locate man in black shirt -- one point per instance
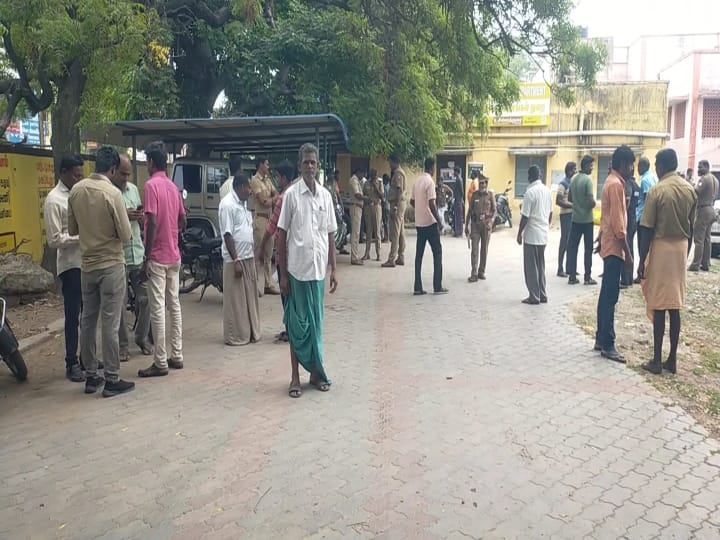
(632, 193)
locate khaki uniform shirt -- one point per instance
(670, 208)
(396, 194)
(263, 193)
(482, 208)
(373, 190)
(97, 213)
(707, 190)
(355, 189)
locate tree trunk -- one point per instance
(65, 137)
(66, 114)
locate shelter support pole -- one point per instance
(134, 160)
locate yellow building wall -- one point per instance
(25, 181)
(499, 164)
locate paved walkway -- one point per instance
(462, 416)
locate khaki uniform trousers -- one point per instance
(373, 228)
(355, 225)
(264, 269)
(397, 233)
(479, 241)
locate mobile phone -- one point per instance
(139, 208)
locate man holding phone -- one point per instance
(134, 256)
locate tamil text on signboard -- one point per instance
(531, 110)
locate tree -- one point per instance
(403, 73)
(70, 54)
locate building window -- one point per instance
(522, 164)
(603, 164)
(679, 120)
(711, 119)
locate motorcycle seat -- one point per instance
(211, 243)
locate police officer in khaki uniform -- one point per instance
(261, 203)
(707, 191)
(372, 211)
(356, 212)
(396, 199)
(478, 226)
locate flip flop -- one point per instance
(295, 391)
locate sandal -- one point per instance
(295, 391)
(323, 386)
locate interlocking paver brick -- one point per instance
(427, 433)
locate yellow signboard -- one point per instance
(531, 110)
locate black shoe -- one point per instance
(590, 281)
(671, 366)
(175, 364)
(637, 281)
(75, 373)
(597, 347)
(100, 365)
(653, 367)
(152, 371)
(530, 301)
(705, 268)
(93, 383)
(573, 281)
(543, 300)
(624, 286)
(118, 387)
(613, 355)
(419, 293)
(443, 290)
(560, 273)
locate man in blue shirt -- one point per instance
(647, 182)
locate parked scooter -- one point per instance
(502, 203)
(9, 350)
(201, 261)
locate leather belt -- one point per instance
(258, 214)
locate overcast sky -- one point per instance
(624, 20)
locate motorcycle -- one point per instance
(342, 227)
(502, 203)
(9, 350)
(201, 261)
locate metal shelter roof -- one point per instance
(246, 134)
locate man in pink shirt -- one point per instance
(427, 225)
(164, 219)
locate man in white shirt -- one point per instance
(427, 225)
(241, 308)
(55, 214)
(235, 165)
(306, 246)
(533, 235)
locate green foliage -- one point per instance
(403, 74)
(88, 46)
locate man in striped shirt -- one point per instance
(286, 176)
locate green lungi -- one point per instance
(304, 314)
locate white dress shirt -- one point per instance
(537, 206)
(55, 213)
(226, 188)
(308, 220)
(236, 220)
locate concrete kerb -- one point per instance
(53, 329)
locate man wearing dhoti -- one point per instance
(305, 249)
(241, 311)
(667, 221)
